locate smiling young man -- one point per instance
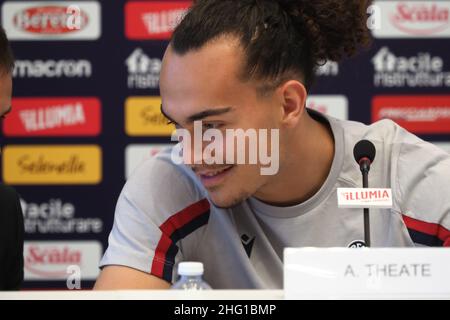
(248, 65)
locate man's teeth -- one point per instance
(215, 173)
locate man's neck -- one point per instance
(305, 169)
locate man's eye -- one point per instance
(207, 126)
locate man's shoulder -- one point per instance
(159, 182)
(384, 130)
(10, 210)
(7, 195)
(160, 170)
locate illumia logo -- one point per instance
(229, 149)
(367, 195)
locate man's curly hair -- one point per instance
(281, 38)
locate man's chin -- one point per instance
(225, 203)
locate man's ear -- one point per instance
(293, 99)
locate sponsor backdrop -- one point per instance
(86, 108)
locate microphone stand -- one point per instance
(364, 164)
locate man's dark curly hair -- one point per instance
(6, 55)
(282, 39)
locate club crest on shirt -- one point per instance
(247, 242)
(357, 244)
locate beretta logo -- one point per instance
(47, 20)
(53, 117)
(51, 20)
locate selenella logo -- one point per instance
(418, 114)
(52, 164)
(154, 20)
(49, 260)
(143, 71)
(25, 20)
(413, 19)
(143, 117)
(53, 117)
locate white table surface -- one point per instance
(144, 295)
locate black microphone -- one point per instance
(364, 153)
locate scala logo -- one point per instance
(413, 19)
(154, 20)
(418, 114)
(52, 165)
(57, 20)
(49, 260)
(421, 19)
(53, 117)
(143, 117)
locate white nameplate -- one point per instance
(368, 273)
(364, 198)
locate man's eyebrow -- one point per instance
(209, 113)
(201, 115)
(165, 115)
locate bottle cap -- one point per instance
(190, 268)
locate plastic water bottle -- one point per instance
(191, 277)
